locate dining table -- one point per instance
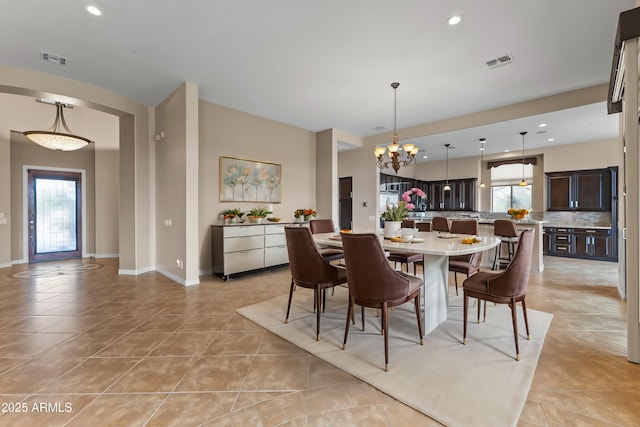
(436, 249)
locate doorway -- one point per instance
(345, 205)
(54, 215)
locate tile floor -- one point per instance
(83, 347)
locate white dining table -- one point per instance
(436, 249)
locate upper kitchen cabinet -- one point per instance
(585, 190)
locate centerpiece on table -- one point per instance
(517, 214)
(232, 216)
(304, 214)
(393, 215)
(256, 215)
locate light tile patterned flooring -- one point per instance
(95, 348)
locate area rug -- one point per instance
(479, 384)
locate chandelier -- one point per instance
(396, 156)
(54, 138)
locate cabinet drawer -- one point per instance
(247, 230)
(563, 248)
(276, 255)
(274, 229)
(237, 262)
(274, 240)
(235, 244)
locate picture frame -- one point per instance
(243, 180)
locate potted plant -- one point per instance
(304, 214)
(232, 216)
(256, 215)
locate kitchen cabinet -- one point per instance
(577, 242)
(586, 190)
(461, 197)
(241, 248)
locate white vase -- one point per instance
(392, 229)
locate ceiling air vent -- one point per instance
(500, 61)
(380, 128)
(56, 59)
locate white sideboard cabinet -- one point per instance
(238, 248)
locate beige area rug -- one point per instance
(480, 384)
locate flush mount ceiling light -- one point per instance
(53, 138)
(447, 187)
(94, 10)
(482, 141)
(455, 20)
(394, 157)
(523, 183)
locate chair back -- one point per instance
(369, 274)
(464, 226)
(322, 226)
(440, 223)
(513, 281)
(408, 223)
(505, 228)
(306, 263)
(424, 226)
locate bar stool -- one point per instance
(505, 229)
(440, 223)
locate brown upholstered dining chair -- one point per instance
(423, 226)
(406, 257)
(464, 264)
(326, 226)
(440, 223)
(373, 283)
(309, 269)
(506, 230)
(505, 287)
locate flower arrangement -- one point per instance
(232, 213)
(406, 197)
(517, 213)
(307, 213)
(397, 212)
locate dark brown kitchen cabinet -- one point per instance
(461, 197)
(586, 190)
(586, 243)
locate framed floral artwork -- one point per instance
(243, 180)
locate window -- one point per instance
(504, 197)
(505, 191)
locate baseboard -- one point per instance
(126, 272)
(107, 256)
(178, 279)
(9, 264)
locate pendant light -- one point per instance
(447, 187)
(58, 136)
(482, 141)
(523, 183)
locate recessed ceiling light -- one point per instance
(506, 151)
(541, 125)
(455, 19)
(425, 157)
(94, 10)
(551, 139)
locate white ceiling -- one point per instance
(328, 64)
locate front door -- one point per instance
(55, 215)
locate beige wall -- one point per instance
(176, 185)
(22, 113)
(227, 132)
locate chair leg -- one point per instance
(464, 321)
(479, 304)
(346, 328)
(496, 256)
(362, 315)
(385, 329)
(514, 320)
(484, 319)
(319, 293)
(417, 303)
(324, 299)
(526, 321)
(455, 279)
(286, 319)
